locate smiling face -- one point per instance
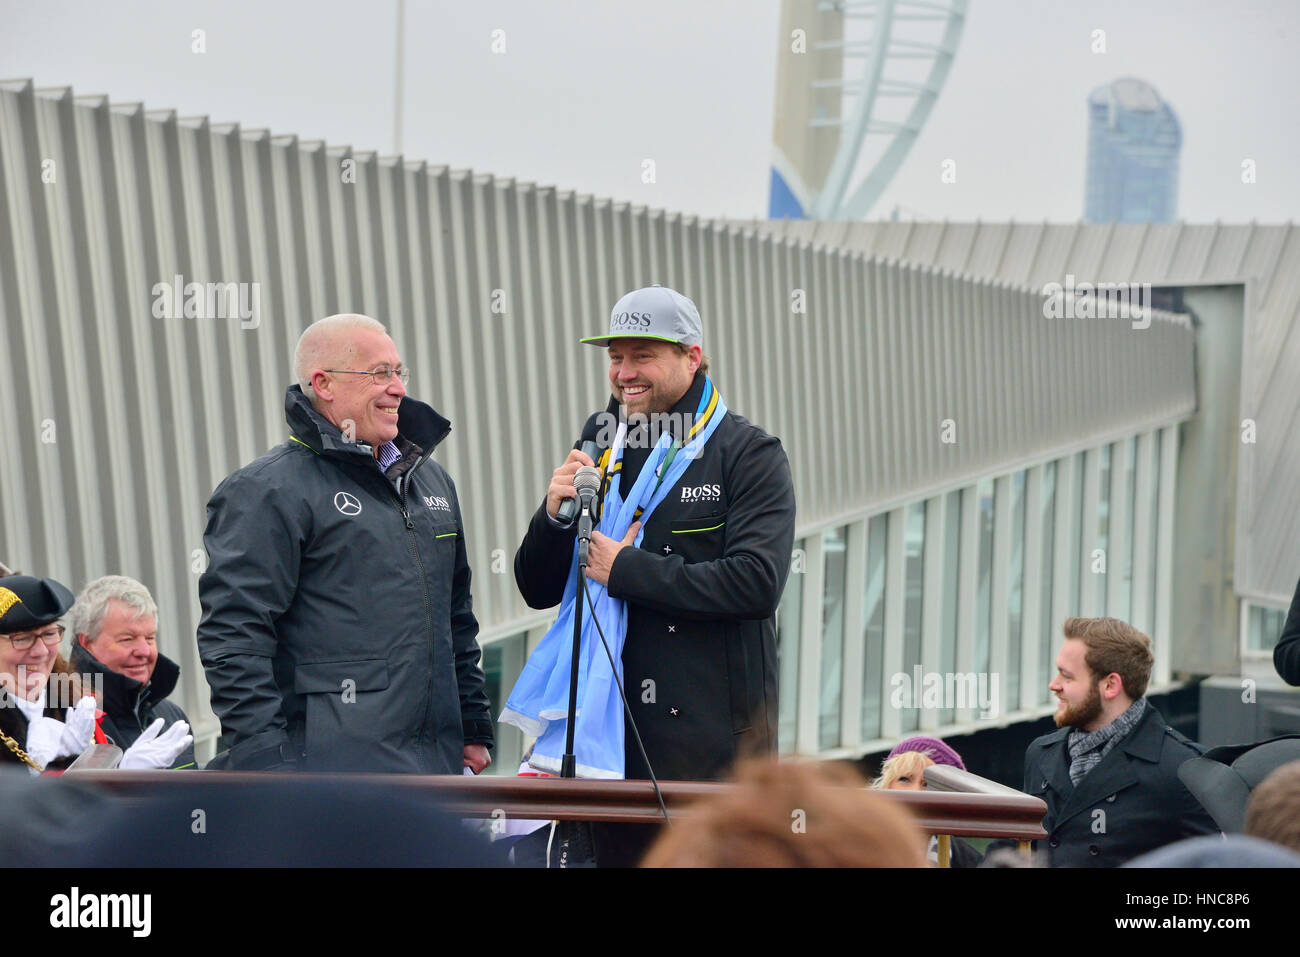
(1078, 693)
(126, 643)
(650, 376)
(32, 665)
(358, 405)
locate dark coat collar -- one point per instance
(122, 693)
(416, 422)
(1115, 772)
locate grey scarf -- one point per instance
(1087, 748)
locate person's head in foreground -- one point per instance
(792, 814)
(1273, 813)
(1102, 668)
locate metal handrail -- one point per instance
(943, 777)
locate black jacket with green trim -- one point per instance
(700, 658)
(338, 631)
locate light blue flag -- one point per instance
(539, 703)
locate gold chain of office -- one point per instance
(23, 756)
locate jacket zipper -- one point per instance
(424, 585)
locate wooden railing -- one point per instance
(1010, 815)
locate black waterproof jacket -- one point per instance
(1130, 803)
(699, 661)
(130, 706)
(338, 632)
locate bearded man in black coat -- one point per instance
(1109, 775)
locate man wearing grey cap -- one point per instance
(687, 567)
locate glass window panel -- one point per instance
(984, 493)
(787, 652)
(951, 564)
(1102, 540)
(914, 548)
(501, 663)
(1154, 559)
(873, 653)
(492, 666)
(1048, 626)
(1124, 606)
(1079, 550)
(1015, 596)
(834, 545)
(1264, 627)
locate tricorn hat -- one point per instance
(27, 602)
(1222, 778)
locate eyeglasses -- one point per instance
(381, 374)
(24, 640)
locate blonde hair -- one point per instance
(911, 763)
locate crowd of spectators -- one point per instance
(1120, 786)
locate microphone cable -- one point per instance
(659, 795)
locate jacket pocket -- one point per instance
(742, 716)
(698, 539)
(337, 721)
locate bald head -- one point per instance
(329, 343)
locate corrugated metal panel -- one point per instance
(486, 284)
(1265, 257)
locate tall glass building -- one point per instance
(1134, 140)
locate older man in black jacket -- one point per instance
(115, 639)
(338, 631)
(1110, 774)
(702, 585)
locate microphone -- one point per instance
(587, 481)
(569, 507)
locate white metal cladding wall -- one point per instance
(486, 285)
(1265, 257)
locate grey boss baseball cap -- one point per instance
(655, 312)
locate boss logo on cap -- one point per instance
(624, 320)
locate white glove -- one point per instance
(45, 741)
(153, 751)
(79, 727)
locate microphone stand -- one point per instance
(573, 834)
(569, 763)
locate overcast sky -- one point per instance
(587, 89)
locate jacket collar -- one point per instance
(123, 693)
(1116, 771)
(1052, 762)
(416, 422)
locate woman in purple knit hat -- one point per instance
(904, 769)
